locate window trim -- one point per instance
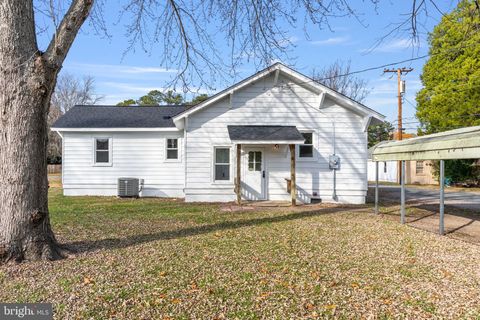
(179, 154)
(314, 142)
(416, 168)
(110, 152)
(214, 162)
(255, 160)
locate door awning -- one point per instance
(262, 134)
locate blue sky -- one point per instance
(118, 76)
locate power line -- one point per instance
(383, 66)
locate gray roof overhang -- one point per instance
(265, 134)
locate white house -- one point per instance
(193, 152)
(387, 171)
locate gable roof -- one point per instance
(104, 117)
(301, 79)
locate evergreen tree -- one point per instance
(450, 97)
(378, 133)
(451, 77)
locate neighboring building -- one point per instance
(192, 153)
(420, 172)
(387, 171)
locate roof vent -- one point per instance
(128, 187)
(167, 117)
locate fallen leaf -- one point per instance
(309, 306)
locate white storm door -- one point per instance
(253, 177)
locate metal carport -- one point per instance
(461, 143)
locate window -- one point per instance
(306, 149)
(419, 167)
(222, 164)
(254, 161)
(172, 149)
(102, 151)
(385, 167)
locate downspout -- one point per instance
(185, 156)
(334, 195)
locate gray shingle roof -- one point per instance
(266, 133)
(118, 117)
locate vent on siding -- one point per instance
(128, 187)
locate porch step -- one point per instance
(268, 203)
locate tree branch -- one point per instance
(67, 31)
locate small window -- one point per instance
(254, 161)
(222, 164)
(306, 149)
(102, 150)
(172, 149)
(419, 167)
(385, 167)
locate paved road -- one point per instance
(464, 200)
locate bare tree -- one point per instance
(54, 145)
(69, 92)
(184, 33)
(338, 77)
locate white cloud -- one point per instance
(330, 41)
(392, 46)
(114, 92)
(395, 45)
(128, 87)
(117, 69)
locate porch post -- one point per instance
(376, 187)
(441, 230)
(293, 183)
(237, 178)
(402, 194)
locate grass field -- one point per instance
(165, 259)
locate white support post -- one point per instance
(442, 197)
(376, 187)
(402, 195)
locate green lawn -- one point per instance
(165, 259)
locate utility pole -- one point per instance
(401, 90)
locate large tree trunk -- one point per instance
(26, 85)
(27, 81)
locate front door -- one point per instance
(253, 174)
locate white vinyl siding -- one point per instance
(134, 154)
(263, 104)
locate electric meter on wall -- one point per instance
(334, 162)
